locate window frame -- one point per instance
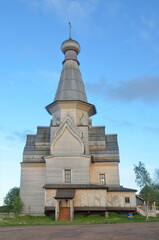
(127, 200)
(101, 182)
(67, 177)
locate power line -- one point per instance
(118, 88)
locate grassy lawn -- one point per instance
(91, 219)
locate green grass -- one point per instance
(29, 220)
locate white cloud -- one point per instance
(76, 11)
(147, 29)
(113, 8)
(149, 23)
(72, 8)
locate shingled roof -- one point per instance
(103, 147)
(37, 145)
(65, 194)
(74, 186)
(71, 85)
(121, 189)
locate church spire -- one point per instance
(71, 85)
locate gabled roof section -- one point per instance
(103, 148)
(37, 145)
(65, 193)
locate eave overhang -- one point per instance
(57, 105)
(121, 189)
(74, 186)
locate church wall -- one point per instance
(80, 171)
(90, 198)
(117, 199)
(52, 131)
(70, 112)
(84, 130)
(49, 197)
(110, 169)
(79, 116)
(31, 189)
(67, 143)
(94, 198)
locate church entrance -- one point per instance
(64, 213)
(64, 209)
(64, 203)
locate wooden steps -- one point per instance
(64, 214)
(141, 211)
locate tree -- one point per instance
(157, 177)
(12, 201)
(156, 184)
(17, 205)
(142, 176)
(145, 183)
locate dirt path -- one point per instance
(135, 231)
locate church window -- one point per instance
(127, 200)
(102, 179)
(67, 175)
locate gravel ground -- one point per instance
(125, 231)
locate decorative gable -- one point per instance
(67, 139)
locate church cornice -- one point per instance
(57, 105)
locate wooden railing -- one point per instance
(151, 212)
(140, 211)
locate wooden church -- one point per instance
(72, 166)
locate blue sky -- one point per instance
(119, 62)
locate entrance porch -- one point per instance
(64, 207)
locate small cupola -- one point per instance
(70, 49)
